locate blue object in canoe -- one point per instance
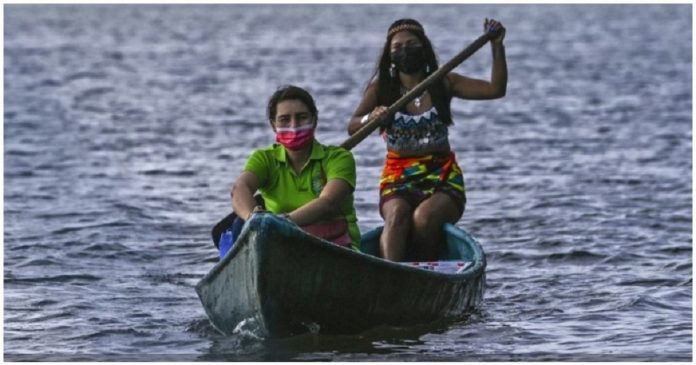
(286, 281)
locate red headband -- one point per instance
(409, 27)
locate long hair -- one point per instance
(389, 88)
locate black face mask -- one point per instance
(409, 60)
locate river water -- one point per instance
(124, 126)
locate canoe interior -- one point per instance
(284, 279)
(460, 244)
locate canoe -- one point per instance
(287, 282)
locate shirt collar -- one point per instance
(318, 151)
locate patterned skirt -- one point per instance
(417, 178)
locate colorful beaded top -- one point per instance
(416, 133)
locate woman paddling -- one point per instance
(422, 186)
(308, 183)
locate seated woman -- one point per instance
(308, 183)
(422, 186)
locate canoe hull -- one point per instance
(288, 281)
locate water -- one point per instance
(124, 126)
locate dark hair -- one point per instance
(389, 89)
(290, 92)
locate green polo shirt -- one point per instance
(283, 190)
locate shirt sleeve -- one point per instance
(259, 164)
(341, 165)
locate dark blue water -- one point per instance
(125, 125)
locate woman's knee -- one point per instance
(433, 213)
(397, 212)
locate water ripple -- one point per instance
(126, 124)
(57, 279)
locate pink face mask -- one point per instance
(295, 138)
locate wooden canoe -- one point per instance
(287, 281)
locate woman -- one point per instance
(422, 186)
(306, 182)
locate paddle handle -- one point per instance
(372, 124)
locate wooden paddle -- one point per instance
(372, 124)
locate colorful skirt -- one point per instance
(417, 178)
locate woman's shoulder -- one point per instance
(372, 87)
(454, 78)
(450, 80)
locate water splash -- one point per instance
(248, 328)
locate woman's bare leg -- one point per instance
(397, 225)
(427, 235)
